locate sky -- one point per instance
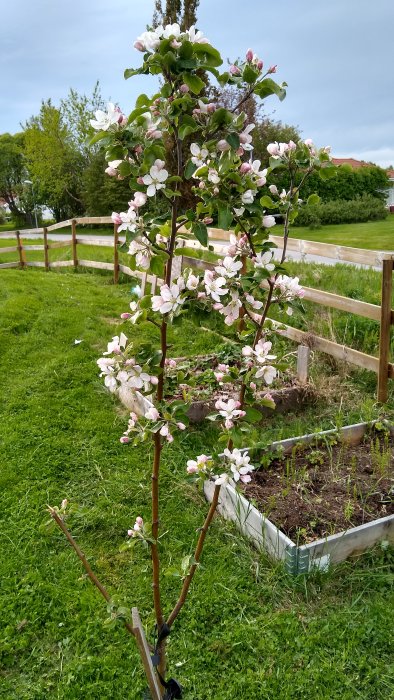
(336, 57)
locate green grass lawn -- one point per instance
(248, 630)
(374, 235)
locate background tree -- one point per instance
(13, 172)
(184, 12)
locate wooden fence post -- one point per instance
(303, 355)
(46, 257)
(74, 242)
(22, 256)
(385, 325)
(116, 254)
(145, 655)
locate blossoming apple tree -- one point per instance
(232, 190)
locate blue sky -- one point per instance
(334, 55)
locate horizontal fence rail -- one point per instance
(383, 314)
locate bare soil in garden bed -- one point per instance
(322, 490)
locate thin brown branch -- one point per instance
(197, 554)
(61, 524)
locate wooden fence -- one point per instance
(383, 314)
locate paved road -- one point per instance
(101, 240)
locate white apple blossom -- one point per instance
(126, 220)
(104, 120)
(231, 310)
(245, 137)
(156, 178)
(196, 37)
(199, 465)
(288, 288)
(142, 251)
(170, 297)
(239, 464)
(192, 282)
(213, 176)
(116, 345)
(228, 267)
(267, 372)
(248, 197)
(263, 260)
(215, 286)
(138, 201)
(199, 155)
(269, 221)
(152, 413)
(254, 303)
(149, 41)
(137, 528)
(230, 411)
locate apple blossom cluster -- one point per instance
(137, 528)
(258, 358)
(237, 466)
(151, 421)
(150, 41)
(229, 410)
(287, 290)
(121, 370)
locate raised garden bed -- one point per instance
(318, 498)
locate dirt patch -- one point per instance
(320, 490)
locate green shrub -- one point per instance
(340, 211)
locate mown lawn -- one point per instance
(249, 630)
(374, 235)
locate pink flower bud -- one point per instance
(253, 386)
(138, 150)
(249, 55)
(130, 533)
(192, 470)
(245, 168)
(176, 44)
(139, 520)
(139, 46)
(184, 88)
(116, 218)
(216, 190)
(240, 151)
(260, 64)
(234, 70)
(125, 316)
(140, 180)
(63, 504)
(201, 295)
(228, 424)
(112, 172)
(308, 142)
(261, 181)
(211, 107)
(202, 185)
(181, 426)
(124, 439)
(222, 145)
(169, 438)
(208, 220)
(154, 380)
(272, 69)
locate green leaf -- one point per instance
(145, 302)
(115, 152)
(124, 168)
(269, 87)
(210, 55)
(187, 125)
(190, 169)
(143, 101)
(193, 82)
(225, 216)
(136, 113)
(129, 72)
(252, 415)
(233, 140)
(327, 172)
(313, 199)
(187, 64)
(97, 137)
(266, 201)
(249, 74)
(222, 117)
(201, 232)
(157, 265)
(186, 50)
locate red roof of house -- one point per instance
(352, 162)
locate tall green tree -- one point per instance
(182, 11)
(13, 172)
